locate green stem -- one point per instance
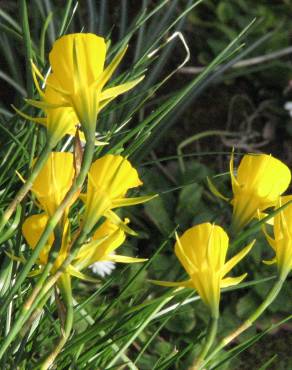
(87, 158)
(211, 335)
(196, 137)
(36, 311)
(26, 186)
(62, 269)
(23, 317)
(35, 298)
(249, 322)
(27, 44)
(41, 290)
(68, 300)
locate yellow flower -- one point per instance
(202, 251)
(32, 229)
(58, 122)
(78, 78)
(260, 180)
(54, 181)
(282, 242)
(109, 179)
(107, 238)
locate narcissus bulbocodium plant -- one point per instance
(75, 89)
(258, 184)
(50, 188)
(74, 93)
(282, 241)
(202, 251)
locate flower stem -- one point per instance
(211, 335)
(26, 186)
(34, 300)
(86, 162)
(68, 300)
(249, 322)
(23, 317)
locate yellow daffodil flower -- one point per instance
(31, 230)
(282, 242)
(78, 78)
(58, 122)
(107, 238)
(259, 182)
(109, 179)
(54, 181)
(202, 252)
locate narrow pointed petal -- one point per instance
(178, 284)
(110, 69)
(44, 105)
(40, 120)
(230, 281)
(270, 240)
(126, 202)
(234, 182)
(104, 103)
(270, 262)
(113, 92)
(35, 72)
(215, 191)
(80, 275)
(125, 259)
(115, 219)
(235, 259)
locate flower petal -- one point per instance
(90, 50)
(234, 182)
(230, 281)
(126, 202)
(125, 259)
(235, 259)
(115, 91)
(54, 180)
(270, 262)
(110, 69)
(179, 284)
(80, 275)
(115, 219)
(115, 175)
(215, 191)
(32, 229)
(257, 172)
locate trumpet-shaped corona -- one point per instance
(260, 180)
(109, 179)
(202, 251)
(282, 242)
(54, 181)
(76, 83)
